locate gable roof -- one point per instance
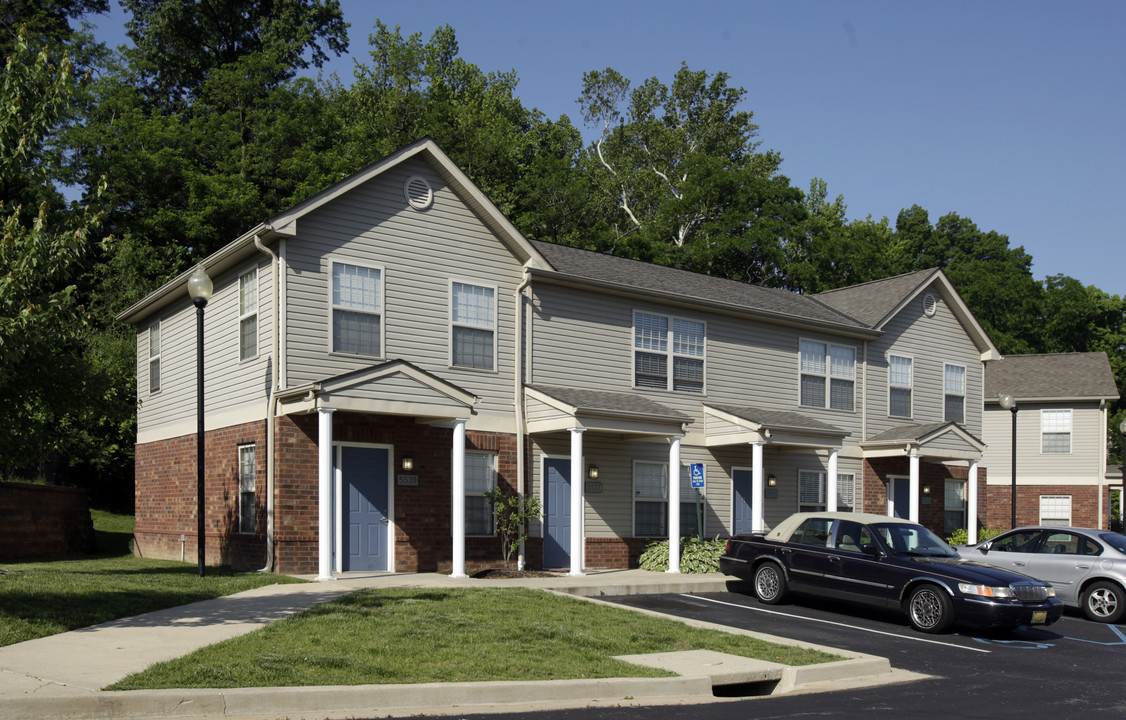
(1056, 376)
(285, 223)
(612, 273)
(877, 302)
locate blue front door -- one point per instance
(364, 479)
(743, 512)
(557, 514)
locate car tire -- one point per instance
(770, 583)
(1104, 601)
(929, 609)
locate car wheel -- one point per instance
(1104, 602)
(770, 584)
(929, 609)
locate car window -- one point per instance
(814, 531)
(1115, 540)
(851, 535)
(1061, 543)
(1020, 541)
(907, 539)
(1087, 546)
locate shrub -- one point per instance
(513, 512)
(961, 536)
(696, 556)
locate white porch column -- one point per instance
(758, 513)
(674, 505)
(324, 493)
(457, 520)
(971, 503)
(577, 489)
(831, 482)
(913, 511)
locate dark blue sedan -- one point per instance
(890, 563)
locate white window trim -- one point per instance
(828, 376)
(1070, 430)
(945, 392)
(822, 490)
(492, 455)
(851, 480)
(243, 316)
(634, 499)
(452, 324)
(910, 386)
(1070, 509)
(670, 353)
(254, 476)
(382, 314)
(156, 358)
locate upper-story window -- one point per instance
(954, 400)
(1055, 431)
(357, 306)
(248, 315)
(900, 381)
(828, 375)
(668, 352)
(473, 319)
(154, 357)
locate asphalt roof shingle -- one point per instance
(1057, 375)
(872, 302)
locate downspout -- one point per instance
(518, 397)
(271, 412)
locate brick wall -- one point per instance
(1084, 505)
(166, 498)
(41, 521)
(932, 507)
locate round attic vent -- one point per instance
(418, 192)
(930, 305)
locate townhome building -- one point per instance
(380, 356)
(1056, 425)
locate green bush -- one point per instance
(696, 556)
(961, 536)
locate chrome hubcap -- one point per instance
(926, 610)
(767, 585)
(1102, 602)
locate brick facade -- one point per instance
(932, 476)
(41, 521)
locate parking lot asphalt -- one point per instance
(61, 676)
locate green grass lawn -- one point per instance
(448, 635)
(47, 597)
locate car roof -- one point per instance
(784, 529)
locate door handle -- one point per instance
(1018, 563)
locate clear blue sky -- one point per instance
(1007, 112)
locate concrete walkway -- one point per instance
(61, 676)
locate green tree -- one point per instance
(41, 255)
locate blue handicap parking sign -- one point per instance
(697, 475)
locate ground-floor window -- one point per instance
(480, 478)
(1055, 510)
(811, 491)
(650, 493)
(246, 470)
(954, 501)
(846, 491)
(688, 517)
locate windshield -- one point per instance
(913, 540)
(1116, 541)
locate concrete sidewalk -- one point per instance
(61, 676)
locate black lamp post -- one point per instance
(199, 289)
(1122, 494)
(1009, 403)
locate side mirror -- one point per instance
(872, 549)
(985, 546)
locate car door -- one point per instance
(859, 576)
(807, 555)
(1012, 551)
(1064, 559)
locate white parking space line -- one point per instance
(839, 624)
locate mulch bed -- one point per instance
(496, 573)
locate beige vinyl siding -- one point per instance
(1082, 465)
(584, 339)
(230, 385)
(931, 343)
(419, 253)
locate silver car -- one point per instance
(1087, 567)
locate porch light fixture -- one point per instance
(407, 463)
(592, 472)
(771, 480)
(199, 290)
(926, 489)
(1008, 402)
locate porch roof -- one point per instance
(936, 441)
(551, 409)
(740, 425)
(396, 387)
